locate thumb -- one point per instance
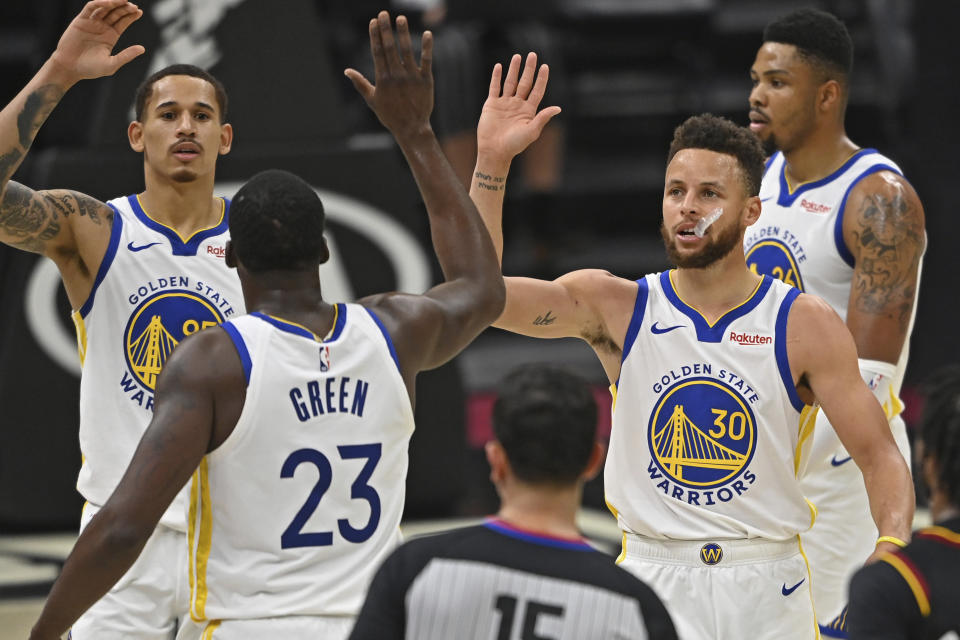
(546, 115)
(126, 56)
(361, 84)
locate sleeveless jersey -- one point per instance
(708, 431)
(799, 237)
(294, 512)
(152, 290)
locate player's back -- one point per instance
(296, 509)
(496, 581)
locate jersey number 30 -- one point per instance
(293, 535)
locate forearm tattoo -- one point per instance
(490, 183)
(890, 240)
(35, 112)
(29, 219)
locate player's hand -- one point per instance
(86, 47)
(510, 120)
(402, 96)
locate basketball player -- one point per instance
(141, 273)
(712, 368)
(914, 592)
(299, 414)
(528, 568)
(840, 222)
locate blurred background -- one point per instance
(626, 72)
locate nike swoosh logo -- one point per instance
(765, 199)
(837, 463)
(658, 330)
(785, 590)
(141, 247)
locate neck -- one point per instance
(548, 510)
(185, 206)
(715, 290)
(291, 295)
(819, 156)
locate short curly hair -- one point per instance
(276, 223)
(821, 39)
(721, 135)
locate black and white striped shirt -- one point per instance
(497, 582)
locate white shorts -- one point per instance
(758, 589)
(843, 534)
(286, 627)
(150, 598)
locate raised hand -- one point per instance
(402, 96)
(510, 121)
(86, 47)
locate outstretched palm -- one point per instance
(510, 122)
(86, 47)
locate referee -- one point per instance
(527, 572)
(914, 593)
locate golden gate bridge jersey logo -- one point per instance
(773, 257)
(158, 325)
(702, 435)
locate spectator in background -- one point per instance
(527, 570)
(914, 593)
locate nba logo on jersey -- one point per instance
(324, 359)
(702, 435)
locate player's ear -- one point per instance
(226, 138)
(753, 208)
(325, 253)
(497, 459)
(229, 257)
(135, 136)
(594, 462)
(830, 95)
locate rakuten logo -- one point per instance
(814, 207)
(746, 338)
(216, 251)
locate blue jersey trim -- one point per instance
(842, 248)
(780, 349)
(786, 198)
(386, 335)
(639, 307)
(715, 332)
(534, 538)
(340, 323)
(288, 327)
(829, 632)
(108, 256)
(766, 165)
(241, 349)
(177, 245)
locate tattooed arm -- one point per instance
(883, 227)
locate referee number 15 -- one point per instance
(532, 610)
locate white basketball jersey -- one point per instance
(799, 236)
(708, 430)
(152, 290)
(295, 511)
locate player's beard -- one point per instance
(718, 246)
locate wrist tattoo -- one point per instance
(490, 183)
(35, 111)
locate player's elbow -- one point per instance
(124, 535)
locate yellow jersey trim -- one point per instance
(210, 628)
(700, 313)
(223, 209)
(200, 540)
(816, 621)
(613, 393)
(943, 532)
(623, 549)
(808, 420)
(911, 579)
(81, 330)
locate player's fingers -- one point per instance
(526, 79)
(126, 56)
(114, 15)
(541, 119)
(510, 84)
(540, 86)
(389, 43)
(426, 54)
(361, 84)
(376, 49)
(404, 45)
(495, 79)
(95, 7)
(127, 20)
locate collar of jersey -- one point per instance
(536, 537)
(707, 332)
(788, 195)
(181, 246)
(339, 319)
